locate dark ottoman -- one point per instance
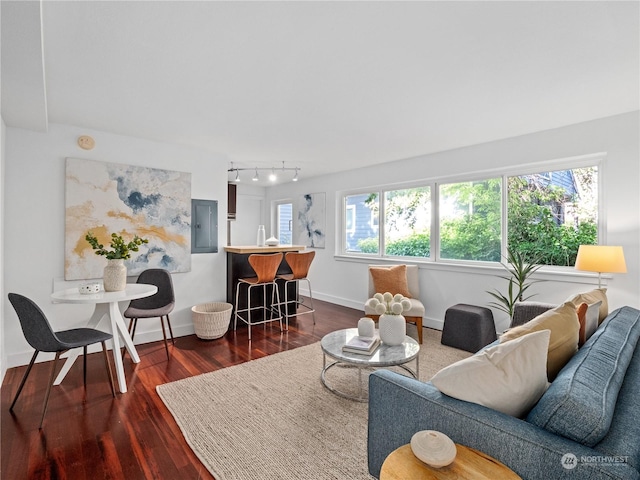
(468, 327)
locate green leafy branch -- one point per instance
(119, 249)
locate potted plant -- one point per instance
(115, 273)
(519, 282)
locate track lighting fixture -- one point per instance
(272, 172)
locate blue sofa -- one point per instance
(585, 426)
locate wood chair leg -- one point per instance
(108, 364)
(24, 379)
(164, 335)
(170, 330)
(46, 398)
(84, 366)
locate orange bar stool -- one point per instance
(299, 264)
(265, 267)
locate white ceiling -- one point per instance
(326, 86)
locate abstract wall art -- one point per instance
(311, 220)
(130, 200)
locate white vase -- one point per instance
(393, 329)
(366, 327)
(115, 275)
(261, 236)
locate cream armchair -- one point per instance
(415, 314)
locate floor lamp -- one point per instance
(601, 259)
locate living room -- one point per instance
(595, 114)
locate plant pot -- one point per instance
(115, 276)
(393, 329)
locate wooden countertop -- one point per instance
(265, 249)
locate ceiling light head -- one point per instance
(255, 177)
(295, 177)
(272, 175)
(237, 176)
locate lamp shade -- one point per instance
(601, 259)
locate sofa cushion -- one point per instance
(588, 318)
(580, 403)
(392, 280)
(507, 377)
(597, 295)
(564, 326)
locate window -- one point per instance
(550, 214)
(470, 220)
(544, 215)
(284, 223)
(360, 234)
(350, 219)
(407, 222)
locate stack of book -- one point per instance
(361, 345)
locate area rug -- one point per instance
(272, 418)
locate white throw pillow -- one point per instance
(509, 377)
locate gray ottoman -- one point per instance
(468, 327)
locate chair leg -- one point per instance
(170, 330)
(135, 324)
(286, 305)
(277, 294)
(164, 335)
(46, 398)
(84, 366)
(235, 316)
(24, 379)
(313, 310)
(108, 364)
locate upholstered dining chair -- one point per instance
(389, 278)
(39, 334)
(265, 268)
(158, 305)
(299, 263)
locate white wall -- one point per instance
(345, 282)
(3, 352)
(33, 226)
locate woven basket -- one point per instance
(211, 320)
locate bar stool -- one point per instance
(299, 264)
(265, 267)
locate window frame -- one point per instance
(597, 160)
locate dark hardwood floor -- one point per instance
(88, 434)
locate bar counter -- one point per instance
(238, 267)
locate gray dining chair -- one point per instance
(158, 305)
(39, 334)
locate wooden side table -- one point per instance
(469, 464)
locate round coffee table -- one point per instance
(384, 356)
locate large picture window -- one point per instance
(407, 222)
(470, 220)
(551, 214)
(546, 216)
(360, 233)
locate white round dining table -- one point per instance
(106, 305)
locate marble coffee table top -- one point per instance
(384, 356)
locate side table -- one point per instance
(469, 464)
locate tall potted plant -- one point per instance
(115, 273)
(520, 271)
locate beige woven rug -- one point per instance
(272, 418)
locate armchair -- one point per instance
(415, 314)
